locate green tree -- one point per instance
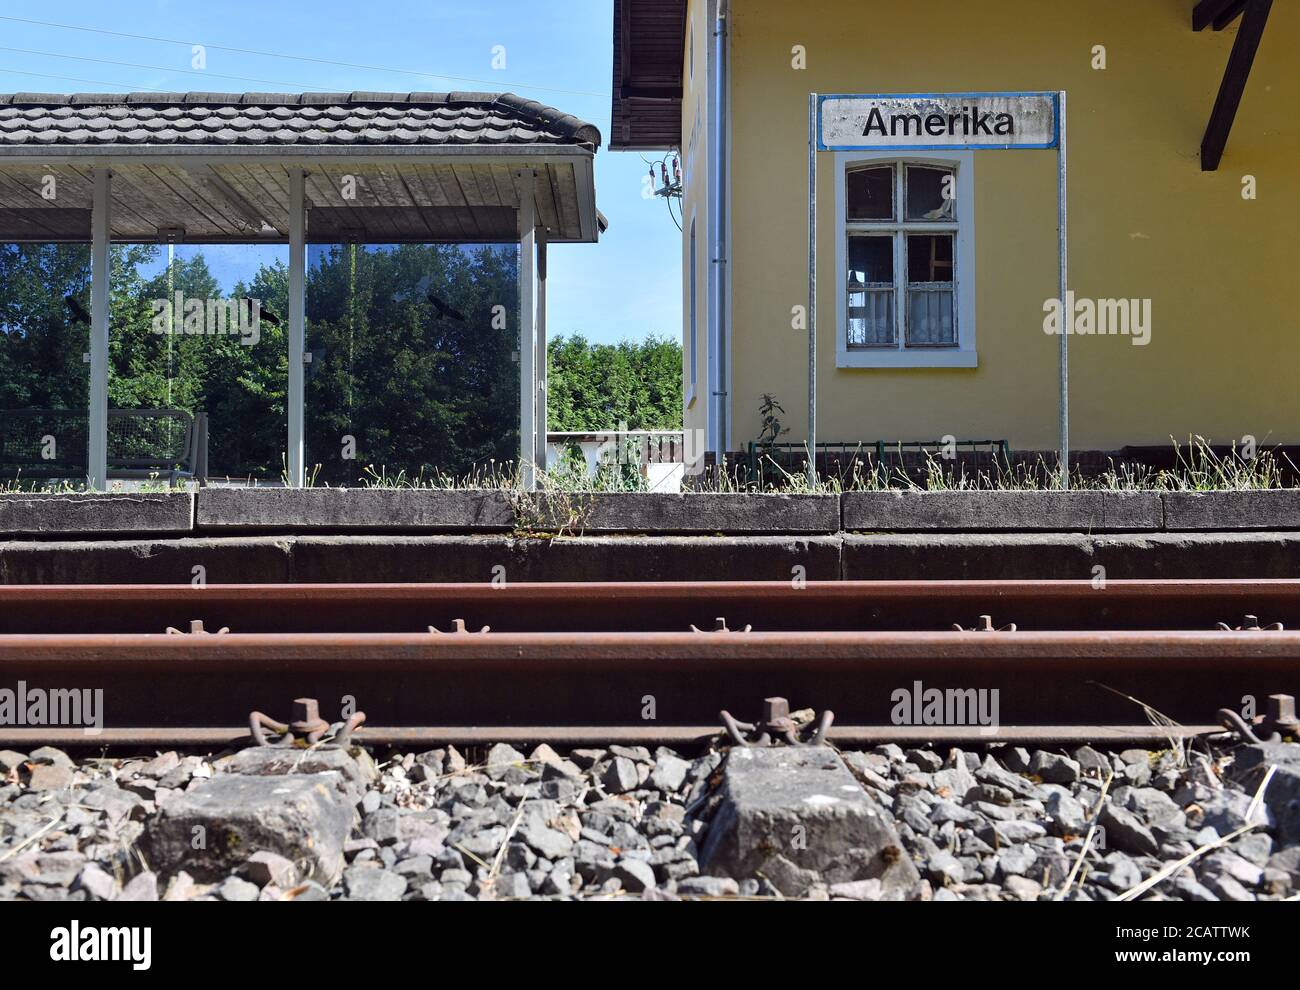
(601, 386)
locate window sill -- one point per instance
(907, 359)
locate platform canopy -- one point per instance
(299, 168)
(214, 167)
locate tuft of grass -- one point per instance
(1197, 468)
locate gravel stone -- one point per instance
(1067, 815)
(1226, 888)
(925, 760)
(501, 759)
(141, 887)
(97, 883)
(1124, 830)
(624, 822)
(1016, 759)
(1054, 769)
(945, 870)
(1016, 861)
(51, 756)
(620, 776)
(547, 842)
(1189, 889)
(1009, 833)
(707, 886)
(49, 777)
(669, 773)
(635, 874)
(369, 883)
(1122, 873)
(265, 867)
(1023, 889)
(235, 889)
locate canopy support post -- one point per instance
(297, 399)
(97, 421)
(540, 364)
(527, 331)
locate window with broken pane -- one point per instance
(870, 193)
(930, 195)
(930, 314)
(901, 239)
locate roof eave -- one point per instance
(284, 153)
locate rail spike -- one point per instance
(1279, 721)
(1250, 624)
(308, 729)
(459, 629)
(985, 625)
(196, 629)
(778, 726)
(720, 626)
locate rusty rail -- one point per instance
(597, 663)
(650, 606)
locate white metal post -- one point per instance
(1067, 320)
(527, 337)
(540, 361)
(297, 475)
(97, 421)
(812, 289)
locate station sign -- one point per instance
(938, 121)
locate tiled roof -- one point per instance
(277, 119)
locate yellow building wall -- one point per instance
(695, 203)
(1145, 222)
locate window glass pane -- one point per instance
(206, 366)
(44, 390)
(925, 198)
(929, 258)
(411, 375)
(931, 318)
(871, 193)
(871, 260)
(871, 291)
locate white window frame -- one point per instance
(900, 355)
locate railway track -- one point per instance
(1033, 662)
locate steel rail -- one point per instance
(605, 735)
(586, 687)
(578, 663)
(1140, 605)
(795, 647)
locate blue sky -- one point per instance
(556, 51)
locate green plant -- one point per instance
(770, 430)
